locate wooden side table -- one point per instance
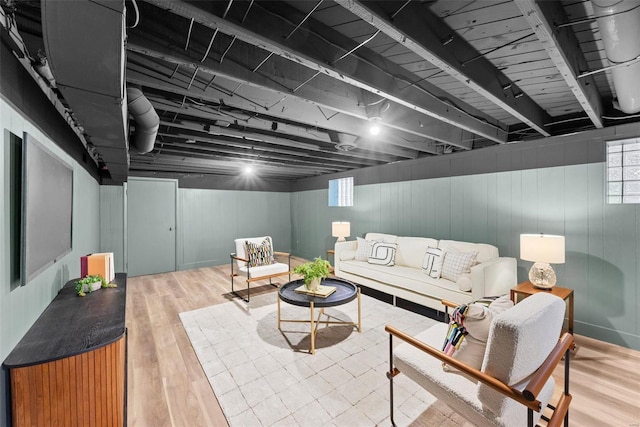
(526, 289)
(331, 252)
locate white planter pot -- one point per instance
(313, 285)
(94, 286)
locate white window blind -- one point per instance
(623, 171)
(341, 192)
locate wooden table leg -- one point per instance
(279, 312)
(313, 331)
(359, 312)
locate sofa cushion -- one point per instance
(383, 254)
(347, 254)
(380, 237)
(432, 264)
(485, 251)
(464, 282)
(408, 278)
(411, 250)
(455, 264)
(364, 248)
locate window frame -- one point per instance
(341, 192)
(622, 171)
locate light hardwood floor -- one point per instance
(167, 386)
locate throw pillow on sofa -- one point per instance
(473, 321)
(464, 282)
(364, 249)
(432, 264)
(456, 264)
(383, 254)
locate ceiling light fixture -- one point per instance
(248, 170)
(374, 127)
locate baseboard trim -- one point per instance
(609, 335)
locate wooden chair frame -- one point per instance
(527, 397)
(250, 279)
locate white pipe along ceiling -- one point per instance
(619, 23)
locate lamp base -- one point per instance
(341, 239)
(542, 275)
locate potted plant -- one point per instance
(90, 283)
(313, 272)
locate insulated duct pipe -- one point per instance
(147, 121)
(619, 22)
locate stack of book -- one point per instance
(98, 264)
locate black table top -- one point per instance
(71, 325)
(345, 292)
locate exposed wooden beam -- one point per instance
(285, 108)
(263, 32)
(209, 164)
(232, 147)
(249, 134)
(418, 29)
(342, 99)
(564, 50)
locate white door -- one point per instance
(151, 225)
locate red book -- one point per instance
(84, 266)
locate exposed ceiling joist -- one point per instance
(285, 108)
(329, 94)
(422, 32)
(562, 46)
(263, 31)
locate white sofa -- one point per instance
(492, 275)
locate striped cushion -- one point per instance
(432, 264)
(261, 254)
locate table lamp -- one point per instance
(341, 229)
(542, 249)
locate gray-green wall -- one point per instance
(209, 221)
(20, 306)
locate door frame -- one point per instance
(126, 217)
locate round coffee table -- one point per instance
(345, 292)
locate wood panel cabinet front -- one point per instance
(87, 389)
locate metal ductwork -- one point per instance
(146, 119)
(84, 43)
(619, 23)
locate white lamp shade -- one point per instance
(341, 229)
(542, 248)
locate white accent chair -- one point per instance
(514, 385)
(262, 272)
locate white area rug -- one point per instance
(265, 377)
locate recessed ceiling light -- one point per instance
(248, 170)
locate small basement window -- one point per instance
(341, 192)
(623, 171)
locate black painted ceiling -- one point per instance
(292, 87)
